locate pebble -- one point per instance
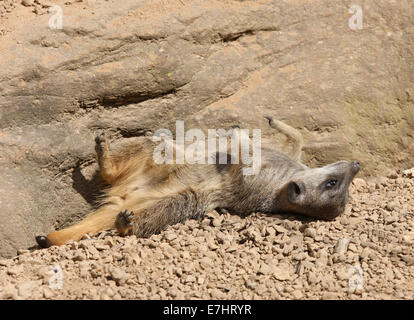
(25, 289)
(169, 236)
(5, 262)
(392, 175)
(79, 256)
(310, 232)
(359, 184)
(265, 269)
(217, 294)
(297, 294)
(28, 3)
(282, 272)
(329, 296)
(119, 275)
(13, 270)
(341, 246)
(47, 293)
(216, 222)
(409, 173)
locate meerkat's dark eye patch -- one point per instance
(331, 183)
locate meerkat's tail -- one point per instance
(99, 220)
(294, 135)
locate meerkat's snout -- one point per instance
(356, 166)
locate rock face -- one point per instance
(131, 67)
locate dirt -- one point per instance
(366, 253)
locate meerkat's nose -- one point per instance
(357, 165)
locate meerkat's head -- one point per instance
(320, 192)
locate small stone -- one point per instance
(330, 296)
(173, 292)
(280, 229)
(392, 175)
(270, 231)
(282, 272)
(79, 256)
(300, 256)
(341, 246)
(5, 262)
(25, 289)
(28, 3)
(322, 259)
(119, 275)
(343, 274)
(352, 247)
(297, 294)
(108, 242)
(408, 259)
(47, 293)
(217, 222)
(217, 294)
(409, 173)
(169, 236)
(200, 280)
(344, 220)
(212, 245)
(189, 279)
(213, 215)
(86, 237)
(359, 183)
(232, 248)
(15, 270)
(408, 237)
(310, 232)
(287, 249)
(100, 246)
(141, 278)
(265, 269)
(206, 222)
(390, 219)
(365, 253)
(9, 291)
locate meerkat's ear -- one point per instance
(294, 135)
(294, 191)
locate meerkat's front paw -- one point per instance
(123, 222)
(100, 139)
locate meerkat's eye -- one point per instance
(331, 183)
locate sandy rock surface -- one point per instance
(366, 253)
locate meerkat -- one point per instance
(144, 197)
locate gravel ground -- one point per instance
(367, 253)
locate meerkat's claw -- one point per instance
(101, 138)
(123, 222)
(270, 118)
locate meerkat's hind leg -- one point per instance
(293, 134)
(123, 222)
